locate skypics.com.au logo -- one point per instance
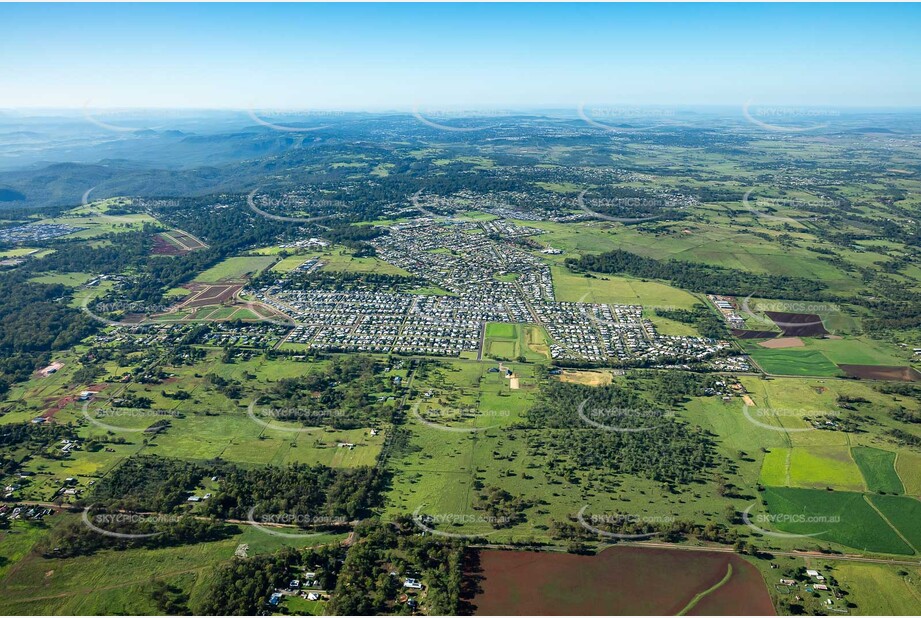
(619, 419)
(114, 524)
(283, 524)
(127, 413)
(270, 202)
(310, 420)
(757, 207)
(788, 520)
(429, 522)
(805, 118)
(458, 120)
(619, 203)
(627, 523)
(627, 119)
(446, 415)
(288, 121)
(816, 419)
(793, 317)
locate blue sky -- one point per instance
(439, 56)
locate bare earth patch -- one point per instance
(783, 342)
(587, 378)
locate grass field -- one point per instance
(838, 516)
(904, 514)
(235, 268)
(289, 263)
(571, 287)
(338, 259)
(880, 590)
(792, 361)
(510, 341)
(878, 469)
(811, 467)
(69, 279)
(500, 330)
(908, 466)
(861, 351)
(120, 582)
(19, 252)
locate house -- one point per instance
(820, 587)
(412, 584)
(275, 599)
(295, 583)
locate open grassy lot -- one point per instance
(17, 541)
(69, 279)
(289, 263)
(235, 268)
(511, 341)
(97, 222)
(500, 330)
(466, 441)
(338, 258)
(835, 516)
(880, 590)
(665, 326)
(908, 466)
(20, 252)
(117, 582)
(571, 287)
(878, 469)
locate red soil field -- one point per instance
(188, 242)
(881, 372)
(55, 407)
(161, 246)
(205, 294)
(798, 324)
(175, 242)
(617, 581)
(753, 334)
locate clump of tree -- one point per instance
(699, 277)
(614, 428)
(75, 538)
(707, 323)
